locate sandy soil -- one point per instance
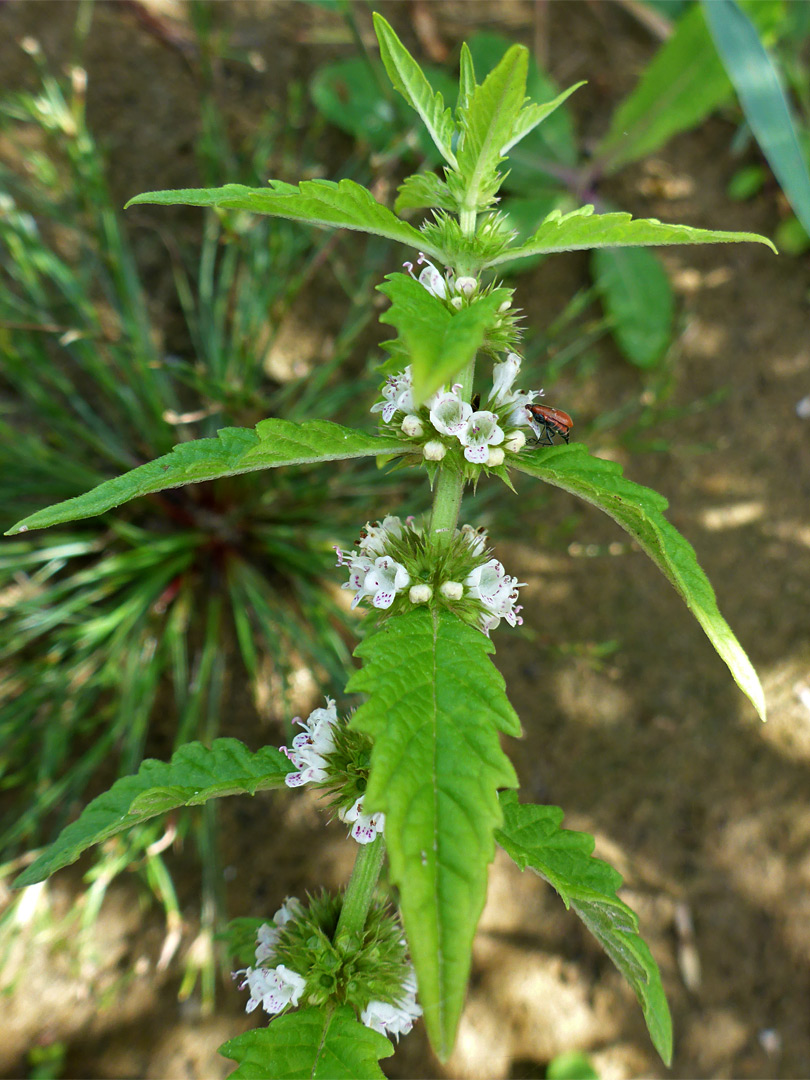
(653, 750)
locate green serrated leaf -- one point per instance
(409, 80)
(640, 512)
(425, 190)
(487, 123)
(531, 835)
(320, 1044)
(235, 450)
(195, 774)
(439, 342)
(345, 205)
(436, 704)
(637, 297)
(533, 114)
(763, 99)
(466, 81)
(582, 229)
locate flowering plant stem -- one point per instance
(360, 891)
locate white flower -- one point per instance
(267, 936)
(311, 747)
(451, 590)
(448, 413)
(466, 285)
(420, 594)
(433, 281)
(365, 826)
(374, 535)
(480, 431)
(397, 394)
(476, 538)
(496, 456)
(395, 1019)
(272, 988)
(382, 581)
(497, 591)
(412, 426)
(515, 442)
(503, 375)
(434, 450)
(518, 417)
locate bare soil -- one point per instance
(653, 750)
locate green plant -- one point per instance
(418, 770)
(125, 632)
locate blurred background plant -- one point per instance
(125, 636)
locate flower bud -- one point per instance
(420, 594)
(457, 302)
(434, 450)
(412, 426)
(505, 306)
(496, 456)
(451, 590)
(515, 442)
(466, 285)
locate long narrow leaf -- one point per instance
(344, 205)
(640, 511)
(235, 450)
(435, 708)
(195, 774)
(756, 80)
(582, 229)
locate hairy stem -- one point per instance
(360, 891)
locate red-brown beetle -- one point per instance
(547, 422)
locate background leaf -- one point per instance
(436, 704)
(342, 204)
(640, 511)
(195, 774)
(636, 296)
(235, 450)
(531, 835)
(763, 99)
(582, 229)
(316, 1043)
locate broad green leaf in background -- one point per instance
(425, 190)
(571, 1065)
(408, 78)
(683, 84)
(195, 774)
(436, 704)
(531, 835)
(640, 511)
(487, 123)
(320, 1044)
(440, 342)
(582, 229)
(235, 450)
(763, 99)
(638, 299)
(341, 205)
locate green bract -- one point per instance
(435, 705)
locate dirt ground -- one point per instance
(705, 811)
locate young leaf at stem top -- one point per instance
(640, 511)
(408, 78)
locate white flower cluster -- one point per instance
(276, 988)
(481, 432)
(309, 753)
(378, 575)
(395, 1019)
